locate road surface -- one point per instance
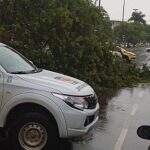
(116, 129)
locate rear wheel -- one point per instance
(33, 131)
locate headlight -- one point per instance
(73, 101)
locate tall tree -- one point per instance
(68, 36)
(134, 33)
(138, 17)
(76, 34)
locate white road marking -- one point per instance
(134, 109)
(124, 131)
(121, 139)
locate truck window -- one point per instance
(13, 62)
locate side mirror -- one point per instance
(144, 132)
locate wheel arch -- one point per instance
(39, 102)
(24, 108)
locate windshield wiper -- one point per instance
(20, 72)
(27, 72)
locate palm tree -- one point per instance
(138, 17)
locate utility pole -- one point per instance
(99, 4)
(123, 19)
(123, 12)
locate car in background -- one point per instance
(127, 55)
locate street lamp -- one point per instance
(123, 12)
(123, 30)
(100, 4)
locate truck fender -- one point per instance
(39, 99)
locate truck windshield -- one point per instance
(15, 63)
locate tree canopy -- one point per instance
(73, 37)
(138, 17)
(134, 33)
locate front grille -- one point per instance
(92, 101)
(89, 120)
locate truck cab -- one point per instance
(38, 107)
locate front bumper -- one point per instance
(80, 122)
(80, 132)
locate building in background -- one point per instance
(115, 23)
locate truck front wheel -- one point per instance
(33, 131)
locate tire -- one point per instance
(33, 131)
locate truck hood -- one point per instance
(62, 83)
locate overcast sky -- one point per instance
(114, 8)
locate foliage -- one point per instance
(73, 34)
(147, 33)
(138, 17)
(71, 37)
(145, 73)
(134, 33)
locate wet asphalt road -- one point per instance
(116, 129)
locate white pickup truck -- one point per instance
(38, 106)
